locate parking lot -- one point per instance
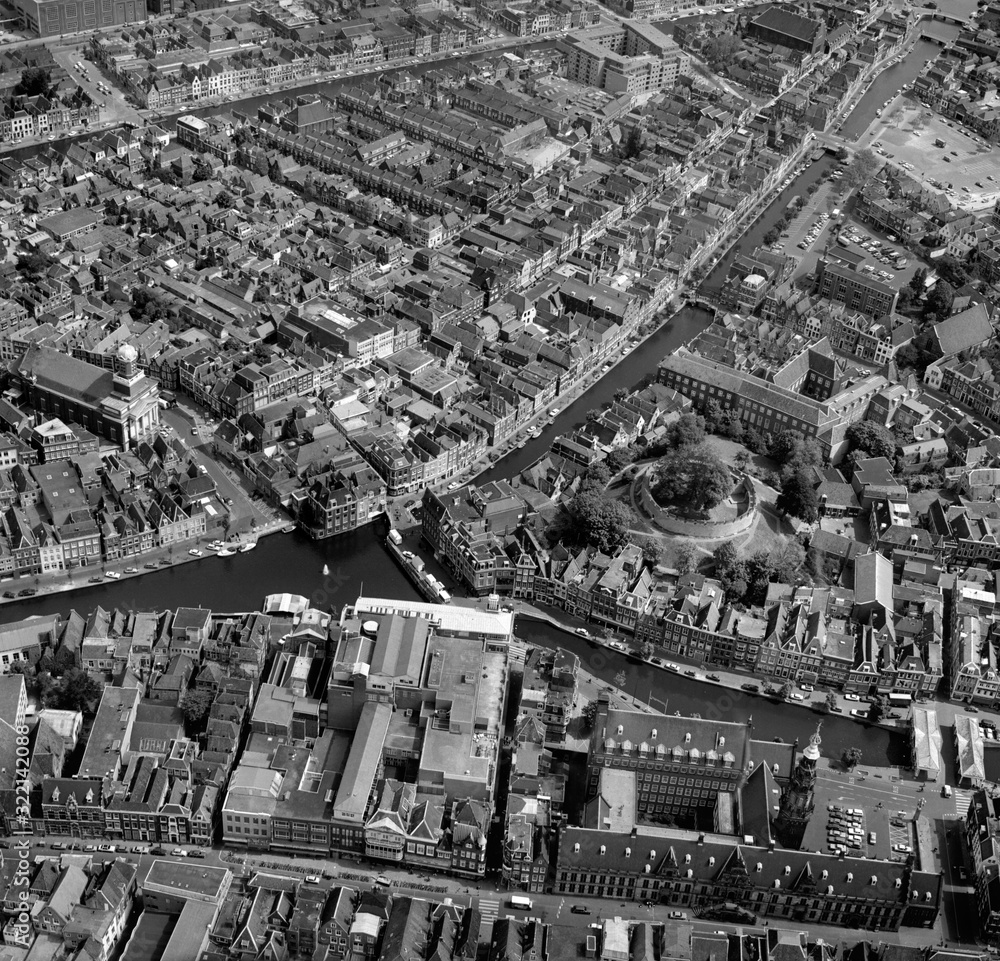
(943, 151)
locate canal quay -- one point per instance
(358, 562)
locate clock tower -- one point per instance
(797, 800)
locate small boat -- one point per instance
(114, 575)
(194, 552)
(225, 552)
(247, 547)
(326, 570)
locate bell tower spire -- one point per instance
(798, 801)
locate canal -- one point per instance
(359, 562)
(891, 80)
(641, 365)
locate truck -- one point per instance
(395, 536)
(519, 902)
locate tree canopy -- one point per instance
(798, 497)
(686, 431)
(34, 82)
(745, 578)
(593, 518)
(872, 439)
(861, 169)
(722, 50)
(694, 475)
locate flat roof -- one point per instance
(188, 936)
(362, 762)
(448, 618)
(111, 732)
(187, 880)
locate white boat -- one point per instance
(247, 547)
(113, 574)
(326, 570)
(226, 552)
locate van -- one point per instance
(946, 791)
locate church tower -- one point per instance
(798, 801)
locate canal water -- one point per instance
(894, 78)
(359, 562)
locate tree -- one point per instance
(596, 477)
(784, 561)
(621, 395)
(196, 703)
(63, 661)
(786, 691)
(919, 353)
(725, 557)
(711, 484)
(77, 691)
(32, 266)
(260, 164)
(619, 459)
(851, 758)
(793, 451)
(589, 715)
(872, 439)
(831, 700)
(878, 709)
(652, 550)
(34, 82)
(861, 169)
(722, 50)
(692, 475)
(632, 145)
(798, 497)
(599, 520)
(940, 299)
(686, 557)
(918, 282)
(772, 236)
(593, 415)
(686, 431)
(224, 199)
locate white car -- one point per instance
(851, 697)
(798, 697)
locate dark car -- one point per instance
(714, 677)
(9, 594)
(27, 592)
(158, 851)
(579, 909)
(750, 688)
(196, 853)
